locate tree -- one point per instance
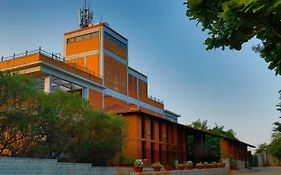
(19, 126)
(198, 124)
(261, 148)
(231, 23)
(275, 145)
(59, 125)
(219, 130)
(213, 142)
(278, 124)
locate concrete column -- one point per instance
(85, 93)
(48, 84)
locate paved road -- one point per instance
(263, 171)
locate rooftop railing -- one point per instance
(155, 99)
(57, 57)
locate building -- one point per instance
(96, 65)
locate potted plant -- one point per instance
(138, 165)
(189, 165)
(180, 166)
(156, 166)
(168, 167)
(172, 164)
(199, 165)
(220, 165)
(206, 165)
(216, 165)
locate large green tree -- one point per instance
(58, 125)
(19, 119)
(231, 23)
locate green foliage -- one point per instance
(199, 165)
(172, 163)
(156, 164)
(198, 124)
(58, 125)
(138, 163)
(19, 120)
(213, 143)
(277, 126)
(231, 23)
(189, 163)
(125, 160)
(275, 145)
(261, 148)
(220, 131)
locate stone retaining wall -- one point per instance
(32, 166)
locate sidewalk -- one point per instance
(260, 171)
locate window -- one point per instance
(115, 40)
(82, 37)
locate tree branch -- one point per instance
(276, 32)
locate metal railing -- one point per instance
(57, 57)
(14, 56)
(155, 99)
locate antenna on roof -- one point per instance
(85, 15)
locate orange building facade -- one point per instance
(96, 65)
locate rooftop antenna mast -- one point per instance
(85, 16)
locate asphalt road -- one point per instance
(263, 171)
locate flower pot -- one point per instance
(233, 167)
(181, 167)
(189, 167)
(138, 169)
(168, 168)
(157, 169)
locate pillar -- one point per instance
(85, 93)
(48, 84)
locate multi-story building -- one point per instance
(96, 65)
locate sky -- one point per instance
(230, 88)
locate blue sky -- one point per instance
(230, 88)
